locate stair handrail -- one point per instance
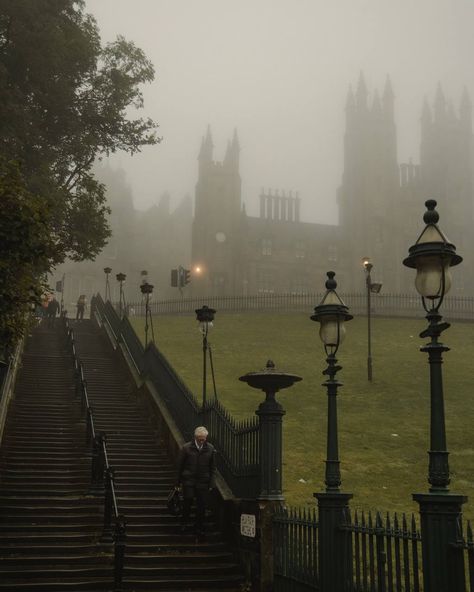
(114, 522)
(102, 474)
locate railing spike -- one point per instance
(378, 520)
(413, 523)
(404, 523)
(370, 519)
(469, 532)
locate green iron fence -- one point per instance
(401, 305)
(237, 443)
(386, 553)
(465, 545)
(295, 550)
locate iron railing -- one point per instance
(295, 550)
(386, 553)
(400, 305)
(465, 544)
(7, 383)
(237, 443)
(102, 480)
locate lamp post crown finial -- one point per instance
(270, 364)
(331, 283)
(431, 216)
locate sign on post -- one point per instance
(248, 525)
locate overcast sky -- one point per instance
(279, 71)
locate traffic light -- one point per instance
(174, 278)
(180, 277)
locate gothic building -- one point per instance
(381, 203)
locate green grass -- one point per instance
(383, 425)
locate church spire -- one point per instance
(426, 118)
(439, 104)
(233, 151)
(388, 99)
(361, 94)
(376, 106)
(205, 153)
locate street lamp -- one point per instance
(121, 278)
(432, 256)
(333, 505)
(205, 317)
(371, 287)
(147, 289)
(107, 271)
(332, 314)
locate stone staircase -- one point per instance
(49, 527)
(157, 556)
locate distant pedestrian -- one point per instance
(81, 307)
(196, 476)
(51, 311)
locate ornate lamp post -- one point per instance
(147, 289)
(107, 271)
(371, 287)
(368, 267)
(121, 278)
(205, 317)
(432, 256)
(334, 569)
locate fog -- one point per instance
(279, 72)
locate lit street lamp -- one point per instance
(333, 505)
(371, 287)
(107, 271)
(147, 289)
(121, 278)
(205, 317)
(432, 256)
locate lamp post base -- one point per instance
(335, 546)
(443, 564)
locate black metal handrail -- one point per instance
(237, 443)
(102, 474)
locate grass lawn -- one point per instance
(383, 425)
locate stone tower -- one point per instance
(216, 236)
(370, 183)
(446, 160)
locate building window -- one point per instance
(266, 281)
(266, 246)
(218, 283)
(332, 253)
(300, 249)
(299, 285)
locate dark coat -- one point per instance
(196, 468)
(53, 308)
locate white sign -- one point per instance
(247, 525)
